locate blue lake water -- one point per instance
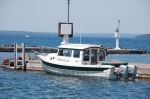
(34, 84)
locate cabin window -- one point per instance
(102, 55)
(76, 53)
(60, 53)
(86, 55)
(67, 52)
(94, 54)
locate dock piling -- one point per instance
(23, 57)
(15, 55)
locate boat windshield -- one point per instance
(102, 55)
(65, 52)
(68, 52)
(76, 54)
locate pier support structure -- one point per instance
(15, 55)
(23, 57)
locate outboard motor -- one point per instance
(123, 72)
(132, 70)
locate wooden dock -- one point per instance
(143, 70)
(126, 51)
(27, 49)
(48, 49)
(33, 65)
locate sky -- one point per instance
(87, 16)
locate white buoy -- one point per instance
(117, 35)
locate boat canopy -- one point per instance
(78, 46)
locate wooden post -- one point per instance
(15, 55)
(23, 57)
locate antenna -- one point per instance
(68, 10)
(80, 30)
(118, 24)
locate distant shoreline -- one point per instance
(143, 36)
(55, 34)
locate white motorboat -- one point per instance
(27, 36)
(85, 60)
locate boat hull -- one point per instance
(106, 73)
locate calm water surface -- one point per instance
(33, 84)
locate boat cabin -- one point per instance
(85, 54)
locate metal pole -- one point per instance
(23, 57)
(15, 54)
(118, 24)
(68, 10)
